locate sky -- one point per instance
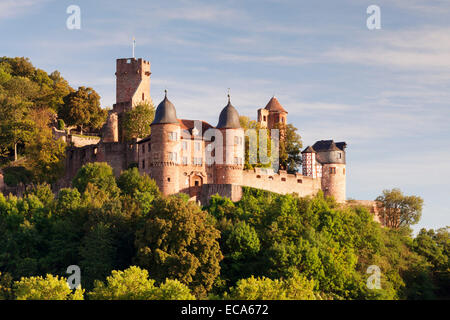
(385, 92)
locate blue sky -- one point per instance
(385, 92)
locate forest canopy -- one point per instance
(266, 246)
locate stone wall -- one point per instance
(81, 141)
(233, 192)
(281, 182)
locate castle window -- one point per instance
(197, 183)
(332, 170)
(344, 171)
(173, 156)
(198, 161)
(143, 148)
(283, 179)
(258, 177)
(149, 147)
(185, 145)
(197, 146)
(143, 97)
(185, 161)
(299, 181)
(340, 155)
(270, 178)
(168, 179)
(143, 164)
(265, 118)
(173, 136)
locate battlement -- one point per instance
(132, 82)
(281, 182)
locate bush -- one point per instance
(15, 175)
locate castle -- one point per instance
(177, 152)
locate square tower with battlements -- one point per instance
(132, 83)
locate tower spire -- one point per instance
(134, 45)
(229, 97)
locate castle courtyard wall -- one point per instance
(282, 182)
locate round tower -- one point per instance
(230, 170)
(165, 148)
(332, 157)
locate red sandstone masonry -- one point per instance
(282, 183)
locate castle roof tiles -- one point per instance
(274, 105)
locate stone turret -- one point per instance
(273, 116)
(230, 171)
(165, 148)
(332, 157)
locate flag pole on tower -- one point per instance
(134, 45)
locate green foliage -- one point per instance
(15, 175)
(82, 108)
(61, 124)
(23, 91)
(283, 246)
(5, 287)
(137, 121)
(134, 284)
(98, 174)
(43, 192)
(178, 242)
(132, 183)
(397, 210)
(295, 288)
(48, 288)
(290, 148)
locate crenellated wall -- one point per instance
(282, 182)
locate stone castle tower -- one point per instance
(132, 88)
(230, 171)
(132, 83)
(165, 147)
(273, 116)
(325, 160)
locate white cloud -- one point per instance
(13, 8)
(419, 49)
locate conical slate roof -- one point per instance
(274, 105)
(229, 117)
(165, 112)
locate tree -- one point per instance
(137, 121)
(82, 108)
(177, 241)
(397, 210)
(5, 287)
(45, 155)
(48, 288)
(134, 284)
(15, 125)
(290, 149)
(98, 174)
(131, 183)
(295, 288)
